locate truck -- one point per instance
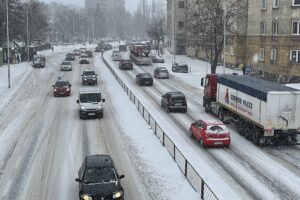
(139, 54)
(122, 47)
(264, 112)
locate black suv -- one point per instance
(99, 179)
(70, 56)
(89, 77)
(125, 64)
(180, 67)
(174, 101)
(144, 79)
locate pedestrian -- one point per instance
(18, 58)
(244, 70)
(52, 49)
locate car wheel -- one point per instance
(221, 115)
(191, 134)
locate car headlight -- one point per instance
(68, 89)
(118, 194)
(82, 107)
(100, 106)
(85, 79)
(86, 197)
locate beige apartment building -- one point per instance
(176, 22)
(273, 37)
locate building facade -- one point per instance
(176, 25)
(273, 37)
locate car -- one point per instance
(66, 66)
(157, 60)
(38, 61)
(61, 88)
(90, 103)
(98, 49)
(126, 64)
(161, 72)
(180, 67)
(84, 61)
(70, 57)
(174, 101)
(144, 79)
(89, 77)
(210, 133)
(98, 178)
(89, 53)
(116, 56)
(107, 47)
(77, 52)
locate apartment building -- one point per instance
(273, 37)
(176, 26)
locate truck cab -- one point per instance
(210, 90)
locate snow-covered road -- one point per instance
(43, 141)
(251, 169)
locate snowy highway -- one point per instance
(43, 141)
(253, 171)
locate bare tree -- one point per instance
(206, 25)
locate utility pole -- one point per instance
(174, 33)
(225, 12)
(27, 30)
(8, 52)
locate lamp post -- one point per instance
(225, 11)
(27, 31)
(8, 52)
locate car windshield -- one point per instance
(178, 99)
(90, 97)
(61, 83)
(163, 71)
(98, 175)
(88, 73)
(65, 63)
(217, 129)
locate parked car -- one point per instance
(108, 47)
(157, 59)
(89, 53)
(77, 52)
(210, 133)
(90, 103)
(126, 64)
(144, 79)
(89, 77)
(174, 101)
(70, 57)
(161, 72)
(66, 66)
(61, 88)
(180, 67)
(99, 179)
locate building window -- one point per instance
(295, 28)
(273, 54)
(262, 28)
(181, 4)
(275, 28)
(296, 2)
(275, 3)
(180, 25)
(263, 4)
(261, 54)
(295, 56)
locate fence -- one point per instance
(186, 168)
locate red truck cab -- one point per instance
(210, 90)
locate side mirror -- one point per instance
(202, 81)
(78, 180)
(77, 101)
(103, 100)
(121, 176)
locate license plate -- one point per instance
(92, 114)
(177, 104)
(217, 143)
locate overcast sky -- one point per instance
(131, 5)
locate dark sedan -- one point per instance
(144, 79)
(61, 88)
(99, 179)
(125, 64)
(70, 56)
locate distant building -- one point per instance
(176, 23)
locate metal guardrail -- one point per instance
(186, 168)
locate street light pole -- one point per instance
(8, 52)
(27, 30)
(225, 12)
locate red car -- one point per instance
(62, 88)
(210, 133)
